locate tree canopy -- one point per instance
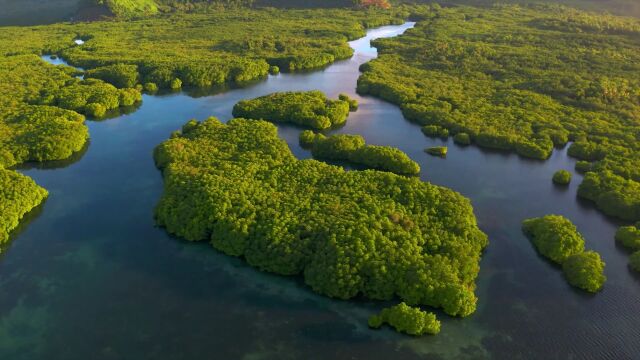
(525, 79)
(42, 105)
(18, 195)
(585, 271)
(407, 319)
(562, 177)
(310, 109)
(634, 261)
(554, 236)
(629, 237)
(348, 233)
(352, 148)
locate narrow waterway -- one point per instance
(89, 276)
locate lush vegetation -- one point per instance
(407, 319)
(205, 49)
(525, 79)
(349, 233)
(562, 177)
(437, 150)
(309, 109)
(462, 139)
(634, 261)
(583, 166)
(618, 7)
(554, 236)
(614, 194)
(352, 148)
(585, 271)
(18, 195)
(120, 75)
(557, 239)
(42, 105)
(131, 8)
(353, 103)
(629, 237)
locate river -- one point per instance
(89, 275)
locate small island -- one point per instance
(629, 237)
(562, 177)
(310, 109)
(585, 271)
(406, 319)
(352, 148)
(437, 151)
(558, 239)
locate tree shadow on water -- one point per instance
(55, 164)
(22, 226)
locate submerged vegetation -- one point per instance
(348, 233)
(352, 148)
(406, 319)
(525, 79)
(310, 109)
(557, 239)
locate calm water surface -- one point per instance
(89, 276)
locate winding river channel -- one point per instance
(89, 276)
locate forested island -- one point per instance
(353, 148)
(348, 233)
(557, 239)
(629, 238)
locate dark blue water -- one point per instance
(89, 276)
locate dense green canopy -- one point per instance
(41, 104)
(629, 237)
(585, 271)
(407, 319)
(634, 261)
(352, 148)
(525, 79)
(562, 177)
(131, 8)
(437, 150)
(348, 233)
(309, 109)
(554, 236)
(18, 195)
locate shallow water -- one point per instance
(89, 276)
